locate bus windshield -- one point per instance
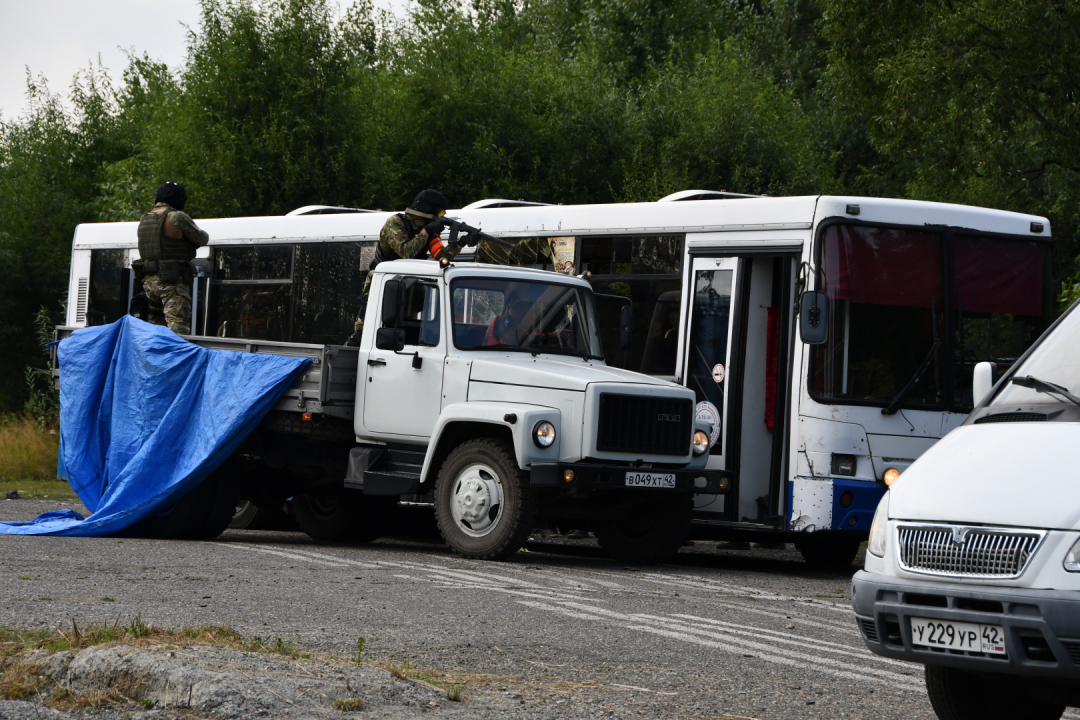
(524, 316)
(923, 307)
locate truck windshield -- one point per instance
(1052, 361)
(524, 316)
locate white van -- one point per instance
(973, 562)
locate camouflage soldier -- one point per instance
(411, 234)
(168, 238)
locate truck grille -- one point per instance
(967, 552)
(645, 425)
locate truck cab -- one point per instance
(485, 388)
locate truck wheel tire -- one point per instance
(958, 695)
(483, 503)
(828, 552)
(338, 514)
(651, 530)
(203, 514)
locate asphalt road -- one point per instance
(716, 634)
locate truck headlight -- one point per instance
(879, 529)
(1072, 558)
(701, 442)
(544, 434)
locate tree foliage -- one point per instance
(284, 103)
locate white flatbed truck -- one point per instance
(483, 390)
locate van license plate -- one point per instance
(958, 636)
(655, 480)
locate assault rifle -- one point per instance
(467, 235)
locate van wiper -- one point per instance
(1038, 385)
(901, 396)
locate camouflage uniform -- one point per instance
(394, 241)
(170, 302)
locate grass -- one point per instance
(28, 461)
(349, 705)
(449, 684)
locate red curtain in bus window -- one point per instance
(882, 267)
(999, 276)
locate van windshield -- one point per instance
(524, 316)
(1054, 360)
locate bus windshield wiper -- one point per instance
(901, 396)
(1038, 385)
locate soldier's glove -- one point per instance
(434, 228)
(470, 240)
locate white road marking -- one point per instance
(291, 556)
(737, 645)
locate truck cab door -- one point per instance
(403, 393)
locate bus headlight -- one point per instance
(544, 434)
(701, 442)
(879, 529)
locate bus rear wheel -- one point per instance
(649, 531)
(829, 552)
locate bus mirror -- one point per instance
(390, 339)
(982, 382)
(625, 316)
(392, 301)
(814, 318)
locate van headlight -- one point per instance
(1072, 558)
(544, 434)
(879, 529)
(701, 442)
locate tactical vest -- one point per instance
(154, 245)
(388, 254)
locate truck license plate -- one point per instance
(655, 480)
(958, 636)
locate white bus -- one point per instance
(829, 340)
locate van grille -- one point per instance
(966, 552)
(645, 425)
(869, 628)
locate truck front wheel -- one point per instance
(483, 503)
(649, 531)
(337, 513)
(959, 695)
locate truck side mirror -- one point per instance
(388, 338)
(625, 316)
(393, 300)
(814, 318)
(982, 382)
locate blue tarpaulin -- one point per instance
(145, 416)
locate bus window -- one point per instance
(328, 280)
(646, 269)
(886, 293)
(107, 287)
(252, 295)
(999, 300)
(308, 292)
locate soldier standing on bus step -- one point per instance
(168, 238)
(410, 235)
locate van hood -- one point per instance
(556, 372)
(1024, 474)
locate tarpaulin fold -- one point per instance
(145, 416)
